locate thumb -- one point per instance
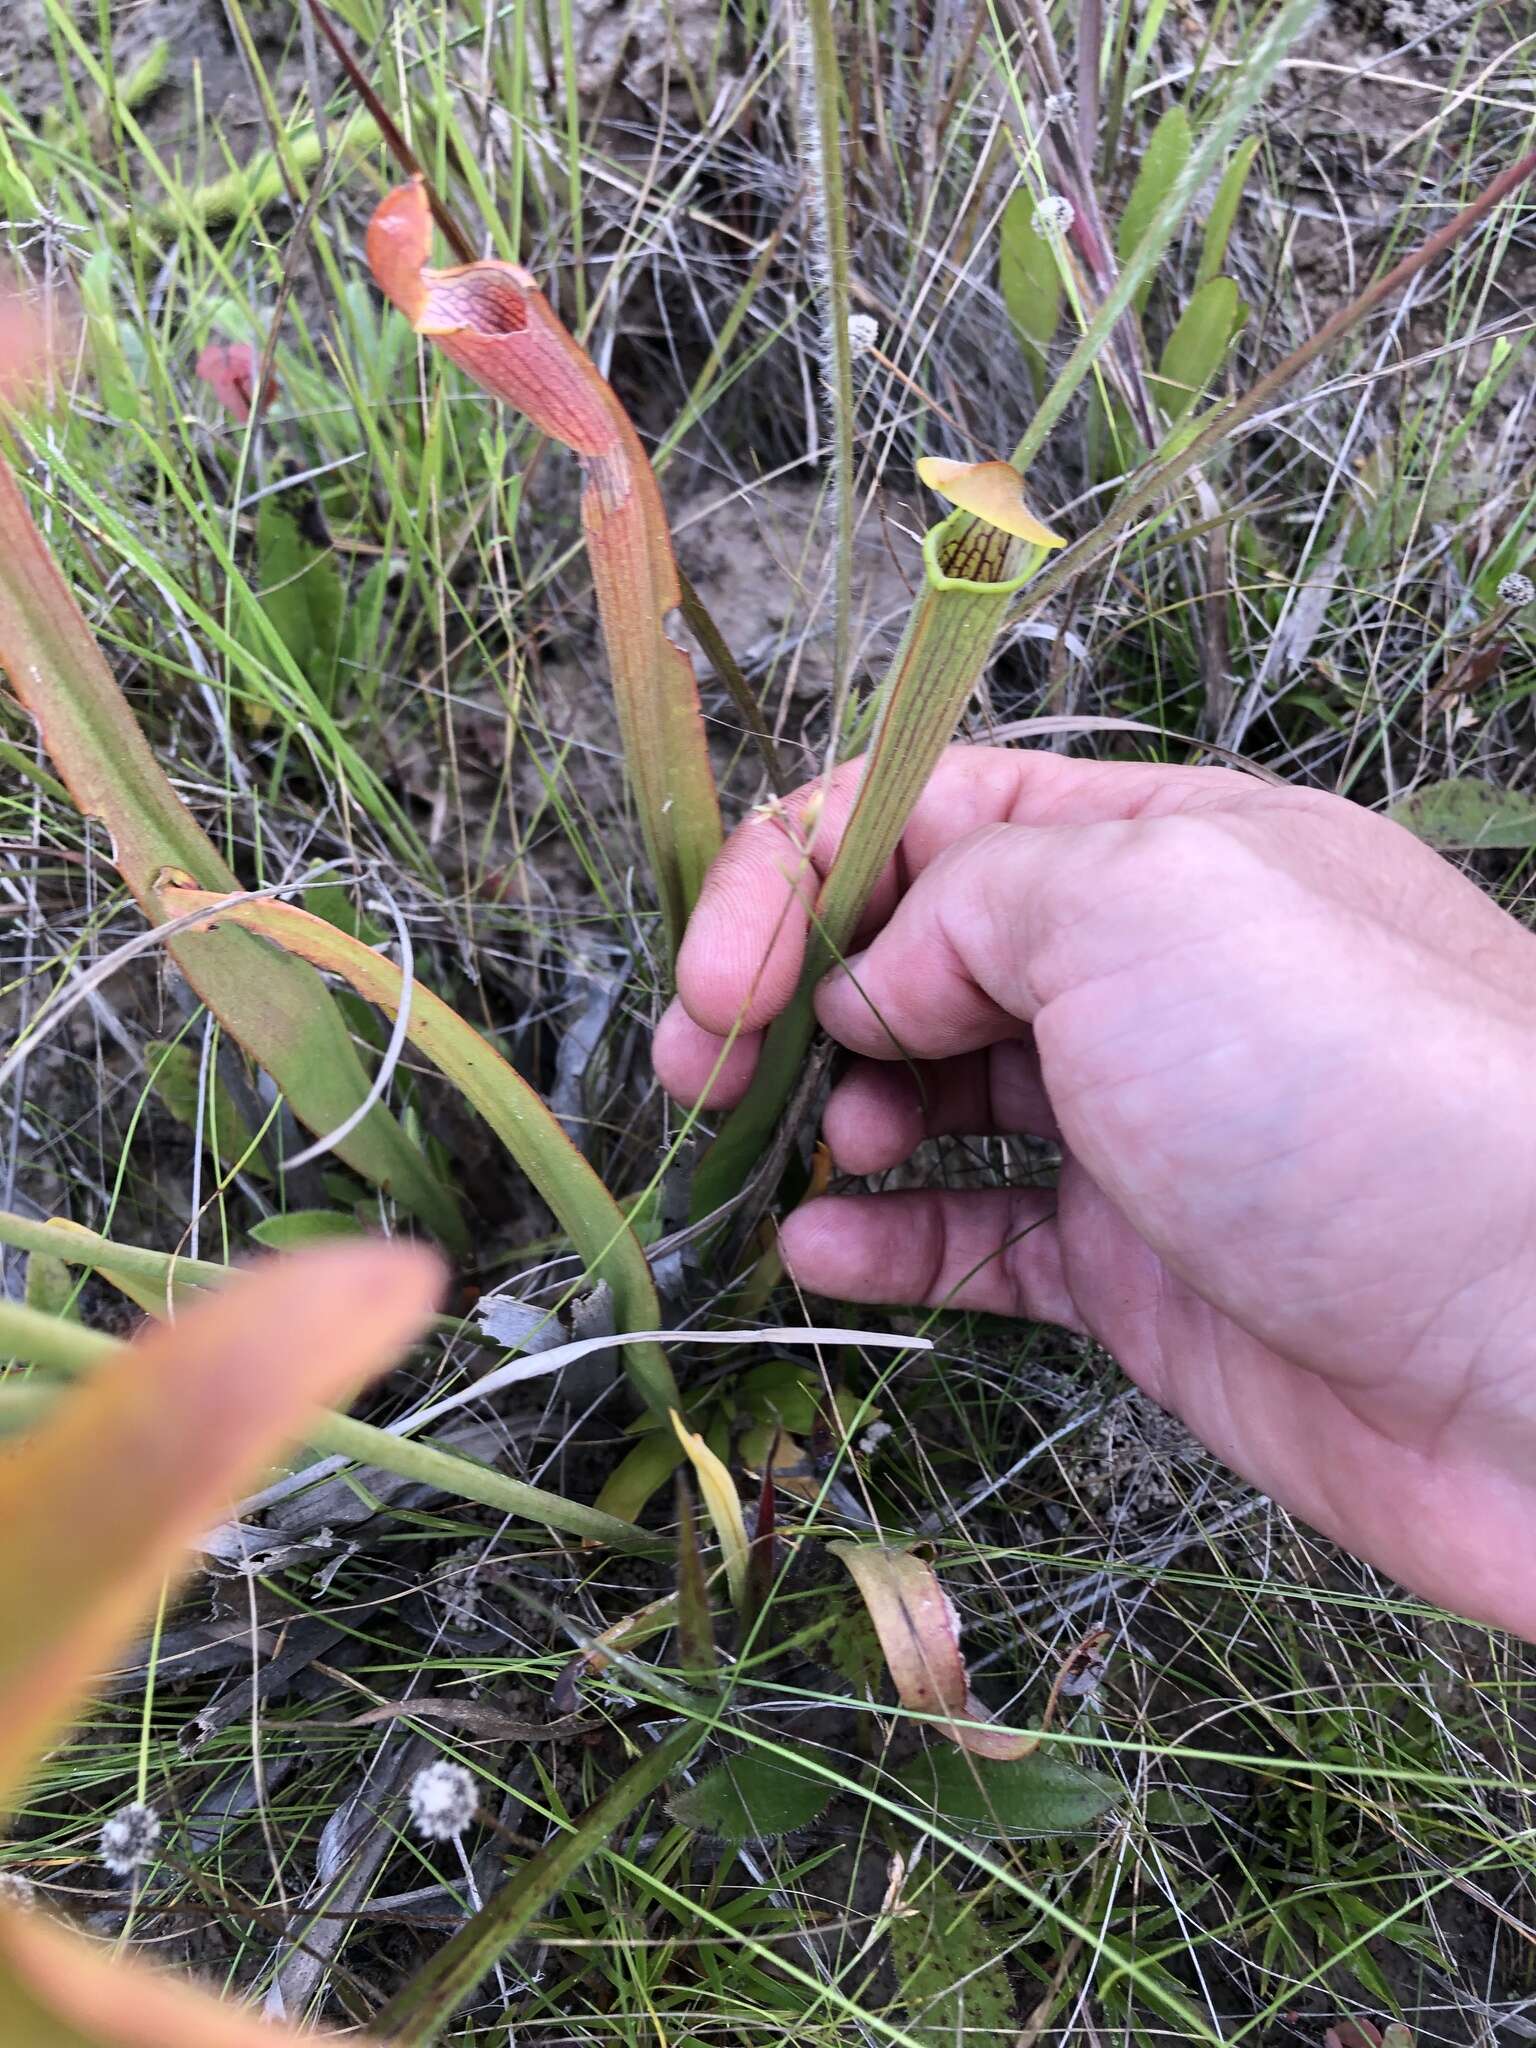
(951, 970)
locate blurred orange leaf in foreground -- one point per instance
(99, 1504)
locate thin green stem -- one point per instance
(1204, 163)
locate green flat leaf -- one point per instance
(1197, 346)
(752, 1798)
(173, 1070)
(641, 1473)
(299, 588)
(1218, 225)
(1039, 1794)
(1467, 813)
(952, 1983)
(1171, 1807)
(334, 903)
(1029, 277)
(49, 1286)
(853, 1649)
(303, 1226)
(1166, 154)
(781, 1391)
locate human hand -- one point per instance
(1288, 1054)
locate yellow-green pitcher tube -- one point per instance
(971, 573)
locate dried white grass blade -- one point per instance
(542, 1362)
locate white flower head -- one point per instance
(1516, 590)
(129, 1838)
(863, 334)
(1053, 217)
(873, 1438)
(17, 1892)
(1058, 105)
(442, 1801)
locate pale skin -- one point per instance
(1290, 1057)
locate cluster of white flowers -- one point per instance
(1516, 590)
(442, 1800)
(1053, 217)
(130, 1838)
(1059, 105)
(863, 334)
(17, 1892)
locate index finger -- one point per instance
(745, 945)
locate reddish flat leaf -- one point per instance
(919, 1635)
(230, 370)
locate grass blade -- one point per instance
(492, 320)
(68, 1349)
(419, 2013)
(592, 1219)
(278, 1010)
